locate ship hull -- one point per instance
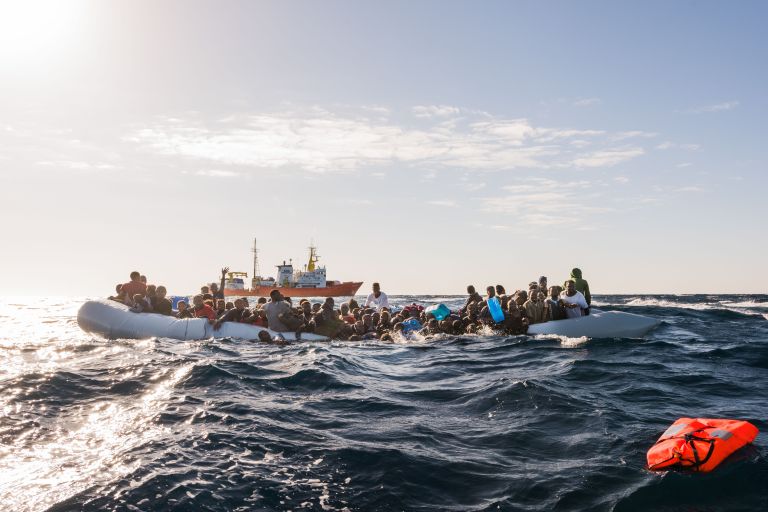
(338, 290)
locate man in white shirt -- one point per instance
(573, 301)
(377, 299)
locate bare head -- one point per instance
(135, 276)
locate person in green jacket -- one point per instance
(581, 285)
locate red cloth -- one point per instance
(205, 311)
(131, 288)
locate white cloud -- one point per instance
(683, 165)
(586, 102)
(607, 158)
(318, 140)
(692, 188)
(717, 107)
(445, 203)
(216, 173)
(535, 202)
(435, 111)
(673, 145)
(634, 134)
(621, 179)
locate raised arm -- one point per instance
(223, 278)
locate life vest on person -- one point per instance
(699, 444)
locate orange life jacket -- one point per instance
(699, 443)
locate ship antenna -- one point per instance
(255, 259)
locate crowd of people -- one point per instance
(497, 311)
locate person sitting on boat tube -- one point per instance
(160, 304)
(473, 297)
(203, 310)
(573, 300)
(377, 299)
(237, 314)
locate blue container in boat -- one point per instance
(410, 325)
(494, 307)
(439, 311)
(175, 299)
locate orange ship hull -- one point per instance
(337, 290)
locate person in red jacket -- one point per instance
(133, 287)
(203, 310)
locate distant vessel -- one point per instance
(310, 282)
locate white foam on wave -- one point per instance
(565, 341)
(744, 308)
(749, 304)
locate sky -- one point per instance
(425, 145)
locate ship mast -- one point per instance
(255, 252)
(313, 257)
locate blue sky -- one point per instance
(426, 145)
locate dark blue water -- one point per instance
(454, 423)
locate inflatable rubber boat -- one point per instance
(599, 324)
(114, 320)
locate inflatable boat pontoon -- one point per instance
(114, 320)
(599, 324)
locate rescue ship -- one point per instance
(310, 282)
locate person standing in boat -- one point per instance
(378, 299)
(582, 286)
(275, 309)
(573, 300)
(218, 290)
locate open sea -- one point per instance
(451, 423)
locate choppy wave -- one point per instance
(478, 422)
